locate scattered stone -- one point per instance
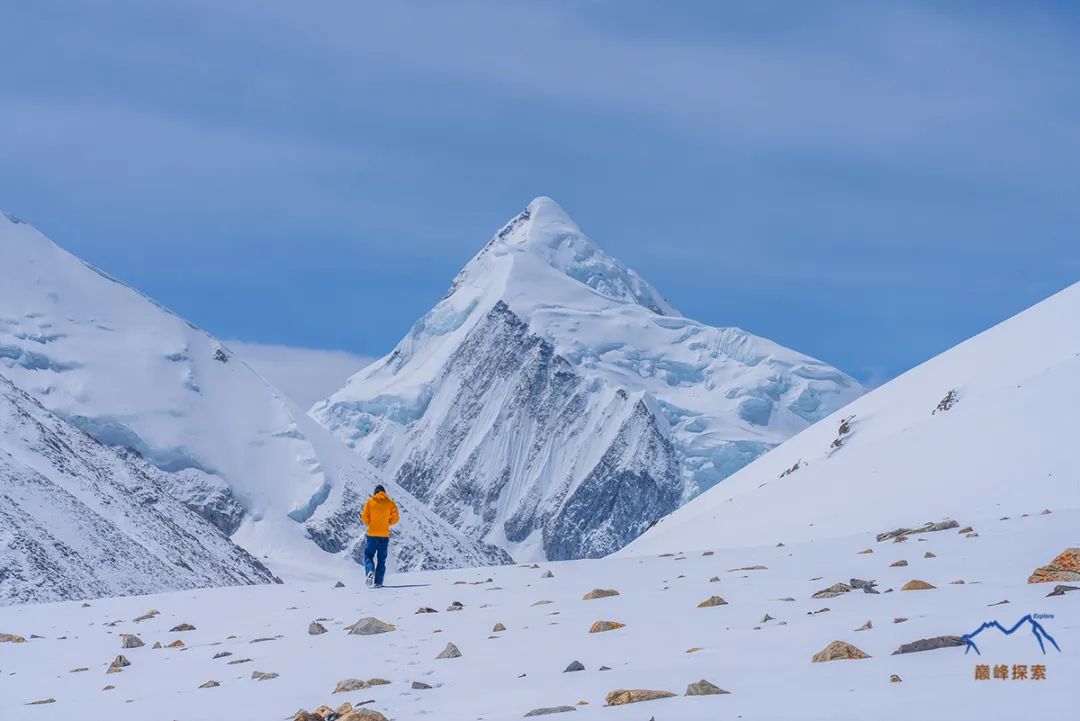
(925, 528)
(971, 535)
(420, 686)
(426, 609)
(175, 644)
(866, 626)
(547, 574)
(315, 628)
(599, 593)
(41, 702)
(898, 564)
(820, 610)
(704, 688)
(601, 626)
(238, 661)
(895, 678)
(709, 553)
(363, 715)
(542, 602)
(1064, 567)
(749, 568)
(917, 585)
(929, 644)
(120, 662)
(1044, 512)
(574, 666)
(549, 710)
(1061, 590)
(451, 651)
(899, 619)
(714, 579)
(79, 670)
(339, 584)
(712, 601)
(455, 606)
(263, 675)
(958, 582)
(147, 616)
(866, 551)
(210, 684)
(11, 638)
(355, 684)
(929, 554)
(605, 668)
(621, 697)
(264, 639)
(182, 627)
(497, 628)
(965, 529)
(130, 640)
(693, 649)
(766, 618)
(157, 645)
(789, 599)
(369, 626)
(1002, 603)
(221, 654)
(838, 650)
(832, 591)
(859, 584)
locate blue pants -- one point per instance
(376, 546)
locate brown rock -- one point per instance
(363, 715)
(749, 568)
(865, 627)
(497, 628)
(11, 638)
(175, 644)
(917, 585)
(832, 591)
(712, 601)
(210, 684)
(898, 564)
(182, 627)
(1064, 567)
(895, 678)
(599, 593)
(601, 626)
(693, 649)
(262, 675)
(147, 616)
(865, 551)
(838, 650)
(620, 697)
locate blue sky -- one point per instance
(865, 182)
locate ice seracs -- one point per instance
(553, 403)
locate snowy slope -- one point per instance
(79, 520)
(1004, 437)
(132, 374)
(500, 676)
(555, 404)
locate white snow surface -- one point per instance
(132, 374)
(1008, 440)
(721, 396)
(764, 664)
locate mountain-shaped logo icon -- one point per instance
(1037, 630)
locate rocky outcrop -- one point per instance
(1064, 567)
(620, 697)
(927, 527)
(370, 626)
(929, 644)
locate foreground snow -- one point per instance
(765, 665)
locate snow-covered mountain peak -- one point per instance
(541, 251)
(551, 374)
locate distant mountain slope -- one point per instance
(555, 404)
(132, 374)
(79, 520)
(985, 428)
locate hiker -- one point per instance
(380, 512)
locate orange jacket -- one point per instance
(379, 513)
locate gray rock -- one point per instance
(574, 666)
(549, 710)
(704, 688)
(315, 628)
(1061, 590)
(930, 644)
(130, 640)
(451, 651)
(420, 686)
(370, 626)
(263, 675)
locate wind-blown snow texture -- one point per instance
(554, 404)
(990, 425)
(131, 374)
(80, 520)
